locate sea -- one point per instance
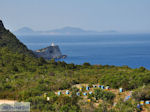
(132, 50)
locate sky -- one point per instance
(99, 15)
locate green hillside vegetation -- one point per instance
(26, 78)
(7, 39)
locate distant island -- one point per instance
(62, 31)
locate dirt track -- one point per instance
(7, 101)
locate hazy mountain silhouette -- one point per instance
(62, 31)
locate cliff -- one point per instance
(50, 52)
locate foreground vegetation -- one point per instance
(26, 78)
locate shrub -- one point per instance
(142, 93)
(127, 106)
(86, 64)
(104, 95)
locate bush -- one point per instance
(104, 95)
(67, 104)
(86, 64)
(103, 107)
(127, 106)
(142, 93)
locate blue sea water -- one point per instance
(131, 50)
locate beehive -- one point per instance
(84, 94)
(59, 93)
(102, 87)
(127, 98)
(89, 100)
(138, 106)
(94, 86)
(80, 88)
(87, 88)
(99, 86)
(90, 92)
(120, 90)
(78, 94)
(67, 92)
(107, 88)
(47, 98)
(141, 102)
(147, 102)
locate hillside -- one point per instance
(25, 78)
(38, 81)
(7, 39)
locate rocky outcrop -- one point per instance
(50, 52)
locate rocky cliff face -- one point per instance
(50, 52)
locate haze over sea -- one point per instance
(131, 50)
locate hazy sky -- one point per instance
(100, 15)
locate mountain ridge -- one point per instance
(61, 31)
